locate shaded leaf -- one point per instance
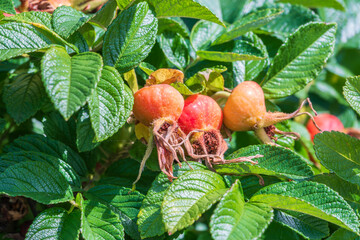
(55, 223)
(339, 153)
(23, 97)
(39, 143)
(85, 135)
(336, 4)
(36, 180)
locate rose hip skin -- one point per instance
(326, 122)
(157, 101)
(245, 107)
(200, 112)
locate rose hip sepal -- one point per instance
(201, 120)
(245, 111)
(160, 106)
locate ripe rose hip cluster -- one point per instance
(191, 127)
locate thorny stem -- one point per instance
(148, 151)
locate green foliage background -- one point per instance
(67, 81)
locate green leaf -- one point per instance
(105, 15)
(39, 143)
(237, 220)
(183, 8)
(42, 18)
(294, 67)
(57, 128)
(175, 49)
(55, 223)
(23, 97)
(130, 37)
(237, 50)
(307, 226)
(66, 20)
(3, 123)
(122, 4)
(339, 153)
(204, 33)
(85, 135)
(99, 222)
(174, 24)
(248, 23)
(7, 6)
(70, 81)
(352, 92)
(20, 43)
(122, 201)
(109, 105)
(232, 9)
(79, 41)
(291, 19)
(349, 191)
(195, 84)
(202, 189)
(275, 161)
(310, 198)
(150, 217)
(251, 184)
(279, 232)
(39, 181)
(342, 234)
(64, 168)
(336, 4)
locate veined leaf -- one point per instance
(66, 20)
(311, 198)
(294, 67)
(204, 33)
(349, 191)
(174, 24)
(291, 19)
(85, 135)
(36, 180)
(7, 6)
(105, 15)
(247, 23)
(202, 189)
(352, 92)
(275, 161)
(121, 201)
(175, 49)
(70, 81)
(232, 9)
(57, 128)
(64, 168)
(150, 217)
(250, 184)
(109, 105)
(20, 43)
(39, 143)
(42, 18)
(55, 223)
(342, 234)
(234, 219)
(183, 8)
(99, 222)
(339, 153)
(23, 97)
(336, 4)
(237, 50)
(308, 226)
(130, 37)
